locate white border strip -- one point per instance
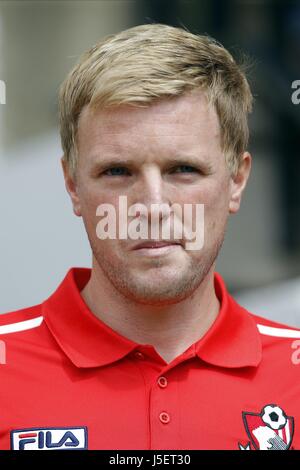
(278, 332)
(21, 326)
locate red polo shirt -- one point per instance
(69, 381)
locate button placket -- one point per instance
(165, 412)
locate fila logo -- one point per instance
(49, 439)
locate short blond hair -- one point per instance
(150, 62)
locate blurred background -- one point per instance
(40, 238)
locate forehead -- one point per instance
(180, 122)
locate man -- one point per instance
(147, 350)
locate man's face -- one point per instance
(169, 153)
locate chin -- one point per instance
(159, 293)
(155, 301)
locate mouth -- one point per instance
(157, 248)
(156, 244)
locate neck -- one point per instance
(170, 329)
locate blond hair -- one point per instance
(153, 61)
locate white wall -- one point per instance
(40, 237)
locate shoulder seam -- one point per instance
(278, 332)
(21, 325)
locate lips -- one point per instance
(156, 244)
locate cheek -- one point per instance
(90, 200)
(91, 197)
(216, 206)
(213, 194)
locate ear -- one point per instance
(71, 187)
(238, 183)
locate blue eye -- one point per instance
(185, 169)
(116, 171)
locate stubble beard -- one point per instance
(161, 289)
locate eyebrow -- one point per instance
(179, 159)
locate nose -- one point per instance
(152, 185)
(152, 192)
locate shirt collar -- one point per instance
(232, 341)
(84, 338)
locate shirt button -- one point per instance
(139, 355)
(164, 417)
(162, 382)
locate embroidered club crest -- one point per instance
(271, 429)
